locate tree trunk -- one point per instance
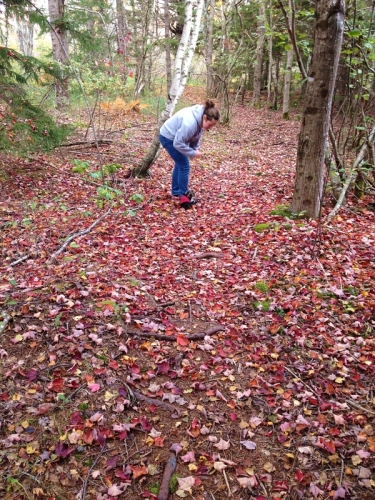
(182, 63)
(60, 50)
(287, 83)
(122, 36)
(259, 55)
(328, 32)
(210, 13)
(25, 31)
(168, 64)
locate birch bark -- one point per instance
(182, 63)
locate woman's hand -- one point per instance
(197, 153)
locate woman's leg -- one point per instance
(181, 170)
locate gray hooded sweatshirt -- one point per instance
(185, 129)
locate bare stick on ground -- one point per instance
(172, 338)
(168, 471)
(75, 235)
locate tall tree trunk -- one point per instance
(168, 64)
(182, 63)
(25, 32)
(60, 50)
(259, 55)
(287, 83)
(122, 37)
(328, 32)
(210, 13)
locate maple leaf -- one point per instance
(222, 445)
(94, 387)
(315, 490)
(249, 445)
(176, 447)
(138, 470)
(114, 491)
(186, 483)
(63, 450)
(188, 457)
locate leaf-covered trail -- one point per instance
(279, 404)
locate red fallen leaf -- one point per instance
(325, 406)
(88, 436)
(76, 420)
(202, 470)
(327, 445)
(233, 416)
(330, 389)
(371, 444)
(146, 425)
(194, 429)
(56, 385)
(182, 340)
(44, 408)
(299, 475)
(231, 404)
(149, 495)
(163, 368)
(4, 396)
(334, 431)
(152, 408)
(113, 364)
(122, 475)
(63, 450)
(159, 441)
(138, 470)
(111, 463)
(280, 486)
(32, 374)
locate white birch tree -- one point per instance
(184, 55)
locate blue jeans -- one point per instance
(181, 171)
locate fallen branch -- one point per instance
(205, 255)
(25, 257)
(172, 338)
(6, 319)
(75, 235)
(168, 471)
(86, 143)
(84, 487)
(141, 397)
(354, 404)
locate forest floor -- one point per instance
(101, 386)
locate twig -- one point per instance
(227, 483)
(156, 402)
(359, 407)
(84, 488)
(262, 485)
(206, 255)
(168, 471)
(304, 383)
(86, 143)
(172, 338)
(75, 235)
(25, 257)
(6, 319)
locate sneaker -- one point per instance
(185, 202)
(190, 194)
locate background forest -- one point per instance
(89, 56)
